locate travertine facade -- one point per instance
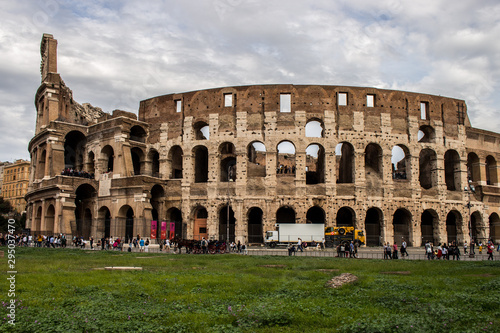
(393, 163)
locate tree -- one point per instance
(5, 206)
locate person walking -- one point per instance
(465, 247)
(299, 245)
(491, 247)
(404, 249)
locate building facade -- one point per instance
(2, 166)
(15, 184)
(233, 162)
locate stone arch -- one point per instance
(373, 226)
(227, 156)
(373, 164)
(256, 154)
(175, 157)
(200, 164)
(108, 156)
(315, 128)
(74, 147)
(174, 215)
(38, 219)
(126, 225)
(138, 133)
(49, 219)
(401, 223)
(426, 134)
(452, 170)
(40, 172)
(315, 214)
(453, 225)
(154, 159)
(477, 227)
(429, 227)
(200, 230)
(346, 217)
(315, 164)
(254, 218)
(85, 195)
(201, 130)
(494, 221)
(491, 171)
(473, 169)
(137, 160)
(104, 221)
(345, 162)
(401, 162)
(428, 168)
(285, 214)
(285, 158)
(223, 224)
(90, 163)
(157, 202)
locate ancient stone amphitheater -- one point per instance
(395, 164)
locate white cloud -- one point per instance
(115, 53)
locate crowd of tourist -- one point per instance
(76, 173)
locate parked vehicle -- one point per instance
(287, 233)
(337, 235)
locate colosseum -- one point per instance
(233, 162)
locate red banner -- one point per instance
(163, 230)
(171, 233)
(153, 229)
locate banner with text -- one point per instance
(153, 229)
(163, 230)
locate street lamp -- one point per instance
(229, 179)
(470, 188)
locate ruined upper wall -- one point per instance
(314, 100)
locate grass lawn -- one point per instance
(61, 291)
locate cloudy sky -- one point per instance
(113, 54)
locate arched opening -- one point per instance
(494, 220)
(255, 234)
(38, 220)
(373, 225)
(373, 164)
(108, 155)
(256, 153)
(223, 225)
(285, 214)
(428, 226)
(91, 164)
(74, 147)
(428, 168)
(157, 197)
(401, 162)
(201, 130)
(137, 133)
(137, 160)
(345, 217)
(85, 195)
(315, 214)
(174, 215)
(452, 170)
(477, 228)
(402, 223)
(452, 222)
(200, 223)
(227, 153)
(314, 129)
(154, 158)
(315, 164)
(49, 220)
(104, 220)
(491, 171)
(40, 170)
(175, 156)
(200, 164)
(345, 163)
(129, 225)
(285, 160)
(473, 172)
(426, 134)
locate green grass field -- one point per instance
(61, 291)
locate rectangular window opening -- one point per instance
(178, 105)
(370, 101)
(228, 100)
(424, 110)
(342, 99)
(285, 103)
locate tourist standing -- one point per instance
(491, 247)
(465, 247)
